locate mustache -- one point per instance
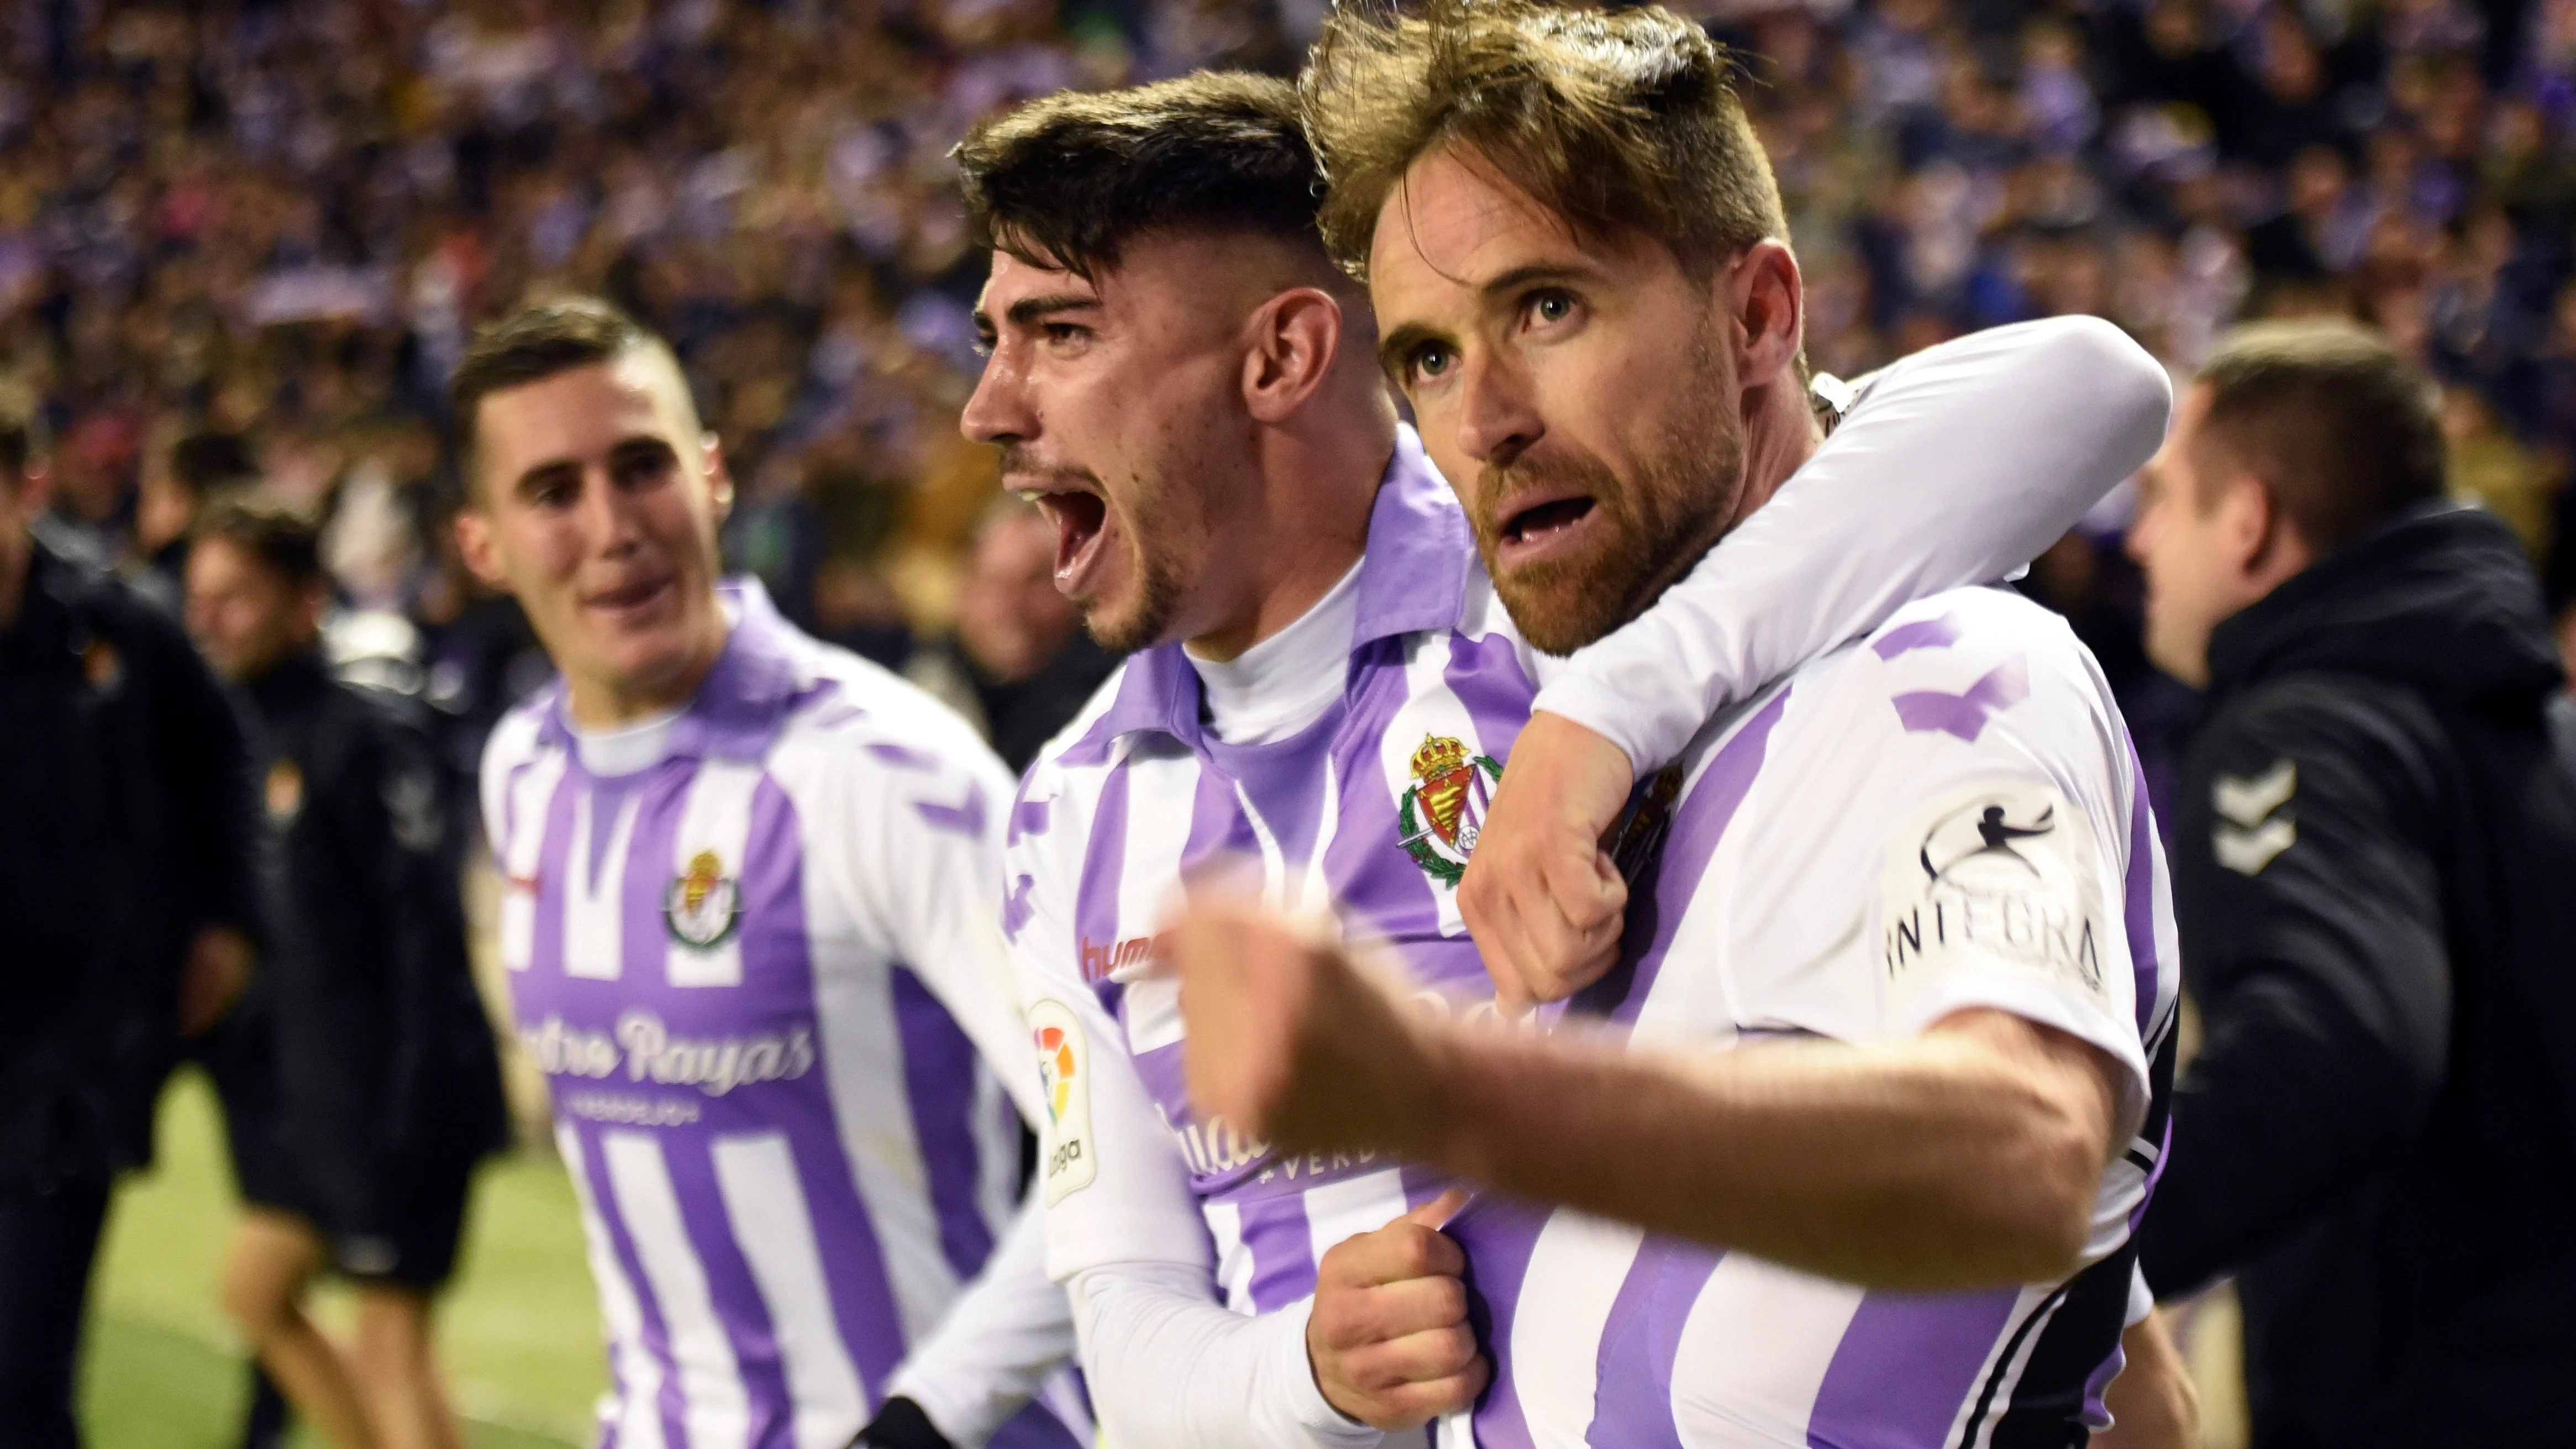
(1020, 461)
(1500, 488)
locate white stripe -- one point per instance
(1754, 1352)
(1431, 709)
(593, 918)
(1274, 861)
(1233, 1259)
(716, 820)
(863, 1065)
(1575, 1269)
(1355, 1205)
(1161, 791)
(715, 1406)
(634, 1402)
(531, 796)
(1312, 882)
(996, 1125)
(756, 1173)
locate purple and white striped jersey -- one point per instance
(1943, 816)
(1370, 810)
(760, 975)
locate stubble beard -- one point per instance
(1659, 524)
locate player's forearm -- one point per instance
(1169, 1369)
(1940, 1163)
(1007, 1331)
(1962, 463)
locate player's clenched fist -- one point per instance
(1388, 1338)
(1541, 896)
(1286, 1037)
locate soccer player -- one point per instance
(1900, 987)
(363, 1086)
(1326, 688)
(748, 920)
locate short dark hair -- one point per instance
(532, 344)
(204, 463)
(1616, 120)
(17, 447)
(1068, 180)
(2342, 430)
(284, 541)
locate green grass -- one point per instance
(518, 1330)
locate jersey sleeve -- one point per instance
(1115, 1186)
(929, 875)
(1956, 466)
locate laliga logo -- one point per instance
(1056, 1071)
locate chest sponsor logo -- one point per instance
(1443, 810)
(702, 904)
(643, 1049)
(2000, 874)
(1119, 960)
(1072, 1157)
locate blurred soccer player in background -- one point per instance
(363, 1085)
(748, 919)
(1189, 388)
(1903, 999)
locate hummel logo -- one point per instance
(2248, 835)
(1965, 714)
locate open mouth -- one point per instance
(1080, 517)
(627, 599)
(1545, 520)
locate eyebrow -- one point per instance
(626, 450)
(1392, 349)
(1029, 311)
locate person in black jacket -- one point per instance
(127, 853)
(387, 1084)
(2374, 876)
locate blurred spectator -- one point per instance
(126, 871)
(1032, 664)
(2370, 874)
(384, 1086)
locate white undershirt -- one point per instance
(1286, 682)
(627, 748)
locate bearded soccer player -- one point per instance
(1325, 687)
(748, 925)
(1846, 1146)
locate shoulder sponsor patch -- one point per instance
(1070, 1157)
(1995, 874)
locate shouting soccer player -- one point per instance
(1847, 1145)
(1326, 688)
(748, 925)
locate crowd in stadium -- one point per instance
(245, 247)
(280, 222)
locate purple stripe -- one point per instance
(1904, 1366)
(654, 1334)
(939, 1080)
(963, 818)
(2141, 892)
(1282, 1245)
(734, 1294)
(1655, 917)
(1035, 1426)
(1104, 858)
(854, 1266)
(1498, 1235)
(2097, 1415)
(554, 857)
(1633, 1394)
(1486, 676)
(644, 938)
(1921, 634)
(1219, 832)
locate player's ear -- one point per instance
(1767, 298)
(475, 545)
(719, 478)
(1294, 337)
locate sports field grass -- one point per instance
(519, 1330)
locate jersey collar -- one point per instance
(737, 711)
(1413, 578)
